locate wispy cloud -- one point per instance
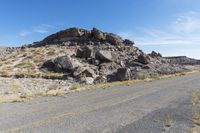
(40, 29)
(179, 37)
(43, 28)
(187, 23)
(24, 33)
(185, 29)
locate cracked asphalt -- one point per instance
(142, 107)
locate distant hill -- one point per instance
(183, 60)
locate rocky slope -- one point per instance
(84, 56)
(77, 56)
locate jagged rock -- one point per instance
(97, 34)
(60, 64)
(89, 80)
(142, 59)
(88, 73)
(100, 79)
(84, 52)
(72, 34)
(128, 42)
(155, 54)
(122, 74)
(114, 39)
(134, 63)
(104, 56)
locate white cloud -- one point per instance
(185, 30)
(41, 29)
(179, 37)
(24, 33)
(187, 23)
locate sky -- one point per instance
(171, 27)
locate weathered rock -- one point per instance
(84, 52)
(142, 59)
(60, 64)
(114, 39)
(122, 74)
(97, 34)
(134, 63)
(88, 73)
(89, 80)
(72, 32)
(155, 55)
(64, 63)
(104, 56)
(100, 79)
(128, 42)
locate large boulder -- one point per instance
(97, 34)
(60, 64)
(64, 63)
(104, 56)
(122, 74)
(114, 39)
(100, 79)
(84, 52)
(142, 59)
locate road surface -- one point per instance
(143, 107)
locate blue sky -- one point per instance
(171, 27)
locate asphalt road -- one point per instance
(143, 107)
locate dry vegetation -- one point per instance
(195, 100)
(27, 62)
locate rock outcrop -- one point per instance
(86, 57)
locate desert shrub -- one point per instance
(142, 76)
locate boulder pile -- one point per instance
(102, 57)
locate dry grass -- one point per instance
(192, 130)
(52, 87)
(9, 99)
(195, 100)
(195, 97)
(25, 64)
(196, 118)
(169, 121)
(15, 87)
(78, 87)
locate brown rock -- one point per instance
(97, 34)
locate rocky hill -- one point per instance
(85, 57)
(183, 60)
(76, 56)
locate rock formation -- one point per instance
(87, 57)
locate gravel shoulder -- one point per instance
(141, 107)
